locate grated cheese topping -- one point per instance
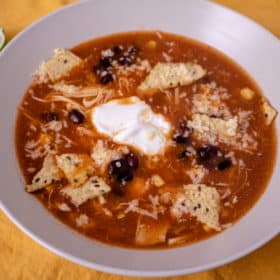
(197, 173)
(202, 124)
(64, 207)
(102, 155)
(34, 149)
(210, 104)
(55, 126)
(137, 68)
(133, 206)
(82, 220)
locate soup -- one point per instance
(145, 139)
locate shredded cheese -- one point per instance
(133, 206)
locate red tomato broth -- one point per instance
(247, 184)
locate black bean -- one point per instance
(180, 139)
(125, 176)
(107, 78)
(207, 152)
(116, 166)
(214, 116)
(209, 156)
(225, 164)
(132, 160)
(132, 50)
(105, 62)
(49, 116)
(76, 116)
(185, 154)
(184, 126)
(125, 60)
(117, 50)
(205, 80)
(122, 169)
(187, 131)
(183, 134)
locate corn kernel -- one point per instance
(206, 228)
(120, 216)
(151, 44)
(157, 181)
(247, 93)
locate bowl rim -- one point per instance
(136, 273)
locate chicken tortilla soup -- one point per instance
(145, 139)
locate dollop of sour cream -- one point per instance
(131, 121)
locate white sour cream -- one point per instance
(131, 121)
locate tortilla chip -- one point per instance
(200, 201)
(76, 167)
(60, 64)
(170, 75)
(94, 187)
(269, 113)
(48, 174)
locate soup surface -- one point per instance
(145, 139)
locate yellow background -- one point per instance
(21, 258)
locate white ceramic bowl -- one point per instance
(253, 47)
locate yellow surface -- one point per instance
(21, 258)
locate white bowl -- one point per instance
(250, 45)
